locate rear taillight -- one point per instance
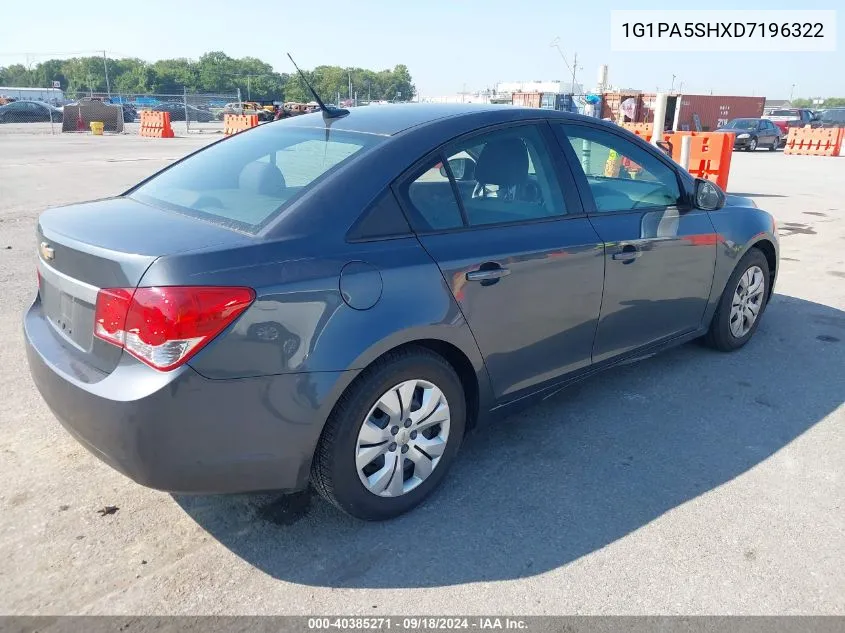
(164, 326)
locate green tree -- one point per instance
(16, 75)
(213, 72)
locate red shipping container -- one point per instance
(527, 99)
(715, 111)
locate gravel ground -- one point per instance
(691, 483)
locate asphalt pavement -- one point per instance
(693, 482)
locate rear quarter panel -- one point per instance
(302, 321)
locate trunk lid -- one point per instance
(107, 244)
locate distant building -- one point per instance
(776, 104)
(547, 87)
(468, 97)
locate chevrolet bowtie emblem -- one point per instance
(47, 251)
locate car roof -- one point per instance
(387, 120)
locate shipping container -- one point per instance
(612, 101)
(527, 99)
(715, 111)
(712, 111)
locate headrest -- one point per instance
(503, 162)
(262, 178)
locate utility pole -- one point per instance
(106, 68)
(672, 88)
(350, 83)
(791, 92)
(248, 88)
(556, 44)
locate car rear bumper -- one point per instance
(181, 432)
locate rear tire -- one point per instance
(774, 145)
(725, 334)
(335, 472)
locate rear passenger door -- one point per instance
(499, 213)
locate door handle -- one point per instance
(628, 253)
(486, 274)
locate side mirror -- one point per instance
(462, 169)
(708, 196)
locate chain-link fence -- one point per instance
(44, 111)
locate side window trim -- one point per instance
(560, 169)
(583, 185)
(455, 190)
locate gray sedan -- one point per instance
(337, 299)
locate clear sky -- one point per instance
(447, 44)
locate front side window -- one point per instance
(621, 175)
(248, 179)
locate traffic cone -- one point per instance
(80, 124)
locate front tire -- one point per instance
(752, 145)
(392, 436)
(742, 303)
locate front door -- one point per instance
(504, 224)
(660, 255)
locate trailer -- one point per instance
(47, 95)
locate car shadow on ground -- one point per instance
(755, 195)
(568, 476)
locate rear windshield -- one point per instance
(784, 113)
(246, 180)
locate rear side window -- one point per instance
(383, 219)
(248, 179)
(506, 176)
(501, 177)
(431, 199)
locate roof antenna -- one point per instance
(328, 113)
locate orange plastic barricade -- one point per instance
(156, 124)
(806, 141)
(643, 130)
(829, 141)
(710, 154)
(234, 123)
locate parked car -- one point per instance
(339, 299)
(790, 117)
(832, 117)
(247, 108)
(29, 112)
(753, 133)
(177, 112)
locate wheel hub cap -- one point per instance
(747, 301)
(402, 438)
